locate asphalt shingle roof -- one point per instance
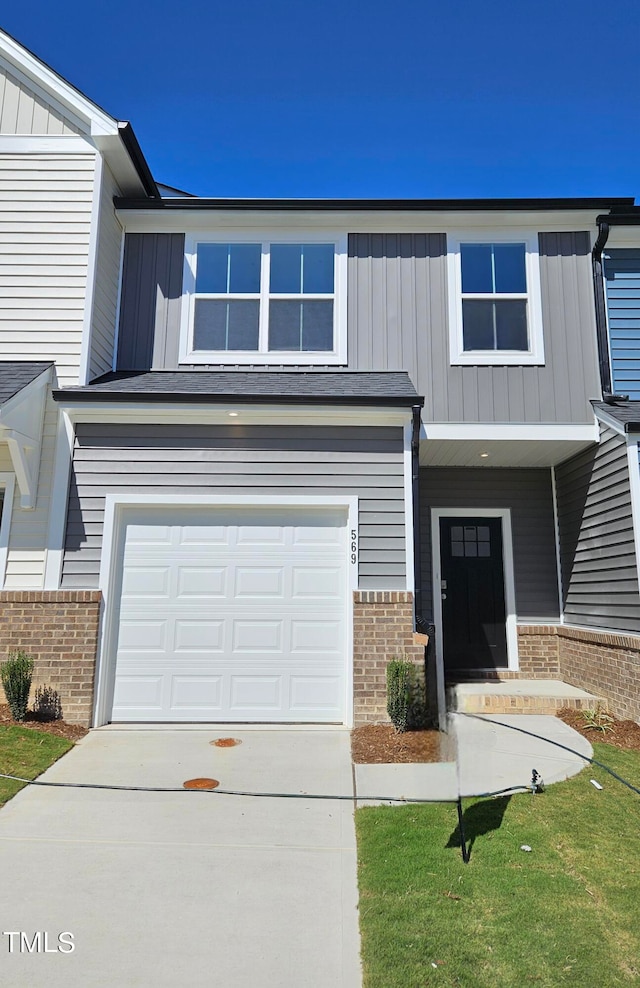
(337, 386)
(16, 374)
(627, 413)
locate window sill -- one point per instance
(497, 359)
(273, 358)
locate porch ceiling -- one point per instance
(502, 452)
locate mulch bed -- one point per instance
(72, 732)
(380, 743)
(624, 734)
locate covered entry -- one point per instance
(235, 613)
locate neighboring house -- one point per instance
(284, 433)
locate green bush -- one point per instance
(399, 693)
(16, 675)
(46, 705)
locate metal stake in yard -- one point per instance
(463, 842)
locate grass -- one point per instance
(564, 914)
(26, 753)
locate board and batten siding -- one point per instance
(22, 111)
(398, 320)
(622, 273)
(151, 305)
(107, 277)
(45, 218)
(597, 549)
(179, 460)
(528, 493)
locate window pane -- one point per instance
(220, 325)
(510, 272)
(211, 271)
(317, 268)
(511, 325)
(286, 268)
(301, 326)
(244, 268)
(477, 325)
(477, 275)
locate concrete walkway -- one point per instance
(185, 888)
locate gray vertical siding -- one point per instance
(151, 301)
(528, 493)
(398, 319)
(329, 460)
(622, 271)
(597, 549)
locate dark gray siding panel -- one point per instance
(151, 301)
(398, 319)
(528, 493)
(597, 549)
(622, 270)
(328, 460)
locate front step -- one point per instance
(521, 696)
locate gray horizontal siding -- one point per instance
(528, 494)
(398, 320)
(622, 271)
(151, 459)
(151, 301)
(597, 549)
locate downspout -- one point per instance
(601, 308)
(415, 486)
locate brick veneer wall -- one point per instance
(382, 631)
(538, 652)
(59, 628)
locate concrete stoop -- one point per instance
(520, 696)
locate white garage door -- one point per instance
(233, 614)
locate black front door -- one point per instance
(473, 606)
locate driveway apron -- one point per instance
(193, 888)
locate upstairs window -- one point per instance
(265, 301)
(495, 304)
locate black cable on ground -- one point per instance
(521, 730)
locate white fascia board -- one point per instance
(55, 90)
(612, 423)
(360, 221)
(247, 414)
(518, 431)
(117, 158)
(634, 484)
(21, 422)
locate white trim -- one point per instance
(634, 483)
(25, 144)
(54, 89)
(21, 426)
(193, 414)
(552, 431)
(457, 354)
(612, 423)
(8, 483)
(556, 532)
(58, 506)
(511, 623)
(265, 237)
(92, 266)
(408, 507)
(116, 334)
(116, 507)
(623, 236)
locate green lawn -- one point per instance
(567, 913)
(26, 753)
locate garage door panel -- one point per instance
(233, 614)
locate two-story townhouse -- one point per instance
(307, 426)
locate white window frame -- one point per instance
(7, 484)
(338, 355)
(458, 355)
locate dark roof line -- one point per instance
(138, 159)
(424, 205)
(626, 217)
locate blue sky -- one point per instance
(389, 98)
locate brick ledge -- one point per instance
(616, 639)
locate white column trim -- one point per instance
(634, 484)
(92, 265)
(59, 499)
(408, 508)
(8, 483)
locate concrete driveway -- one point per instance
(185, 888)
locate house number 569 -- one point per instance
(354, 546)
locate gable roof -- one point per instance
(16, 374)
(282, 386)
(621, 415)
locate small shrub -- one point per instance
(598, 720)
(399, 693)
(16, 675)
(47, 705)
